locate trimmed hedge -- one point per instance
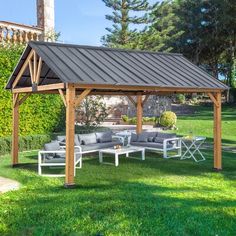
(26, 143)
(39, 114)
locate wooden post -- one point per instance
(217, 133)
(139, 114)
(70, 131)
(15, 129)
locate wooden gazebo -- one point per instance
(75, 72)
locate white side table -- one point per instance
(193, 146)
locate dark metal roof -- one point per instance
(99, 65)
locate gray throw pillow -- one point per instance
(143, 137)
(158, 140)
(61, 138)
(134, 137)
(104, 137)
(87, 138)
(53, 146)
(150, 139)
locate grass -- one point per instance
(151, 197)
(201, 123)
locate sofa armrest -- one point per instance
(176, 141)
(120, 138)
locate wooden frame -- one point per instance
(69, 91)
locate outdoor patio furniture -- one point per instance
(54, 155)
(158, 141)
(93, 142)
(126, 134)
(192, 146)
(121, 151)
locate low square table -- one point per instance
(121, 151)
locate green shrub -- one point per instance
(133, 121)
(180, 98)
(39, 114)
(168, 119)
(26, 143)
(125, 118)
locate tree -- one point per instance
(162, 33)
(92, 111)
(120, 35)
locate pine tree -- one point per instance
(120, 34)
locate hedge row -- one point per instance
(39, 114)
(26, 143)
(36, 142)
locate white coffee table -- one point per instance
(123, 150)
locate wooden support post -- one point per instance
(139, 114)
(217, 133)
(15, 130)
(70, 131)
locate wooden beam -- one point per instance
(15, 99)
(147, 88)
(38, 71)
(213, 99)
(217, 133)
(35, 67)
(22, 70)
(70, 131)
(21, 101)
(62, 96)
(15, 130)
(82, 96)
(139, 114)
(132, 100)
(31, 71)
(40, 88)
(145, 99)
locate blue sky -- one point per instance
(78, 21)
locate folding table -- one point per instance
(193, 146)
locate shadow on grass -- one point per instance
(127, 208)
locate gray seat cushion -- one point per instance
(151, 145)
(103, 137)
(86, 139)
(55, 160)
(97, 146)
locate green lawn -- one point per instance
(152, 197)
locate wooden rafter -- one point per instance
(34, 68)
(21, 101)
(213, 99)
(145, 99)
(48, 87)
(62, 96)
(131, 99)
(82, 96)
(147, 88)
(22, 70)
(38, 71)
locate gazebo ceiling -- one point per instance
(86, 65)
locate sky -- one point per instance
(78, 21)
